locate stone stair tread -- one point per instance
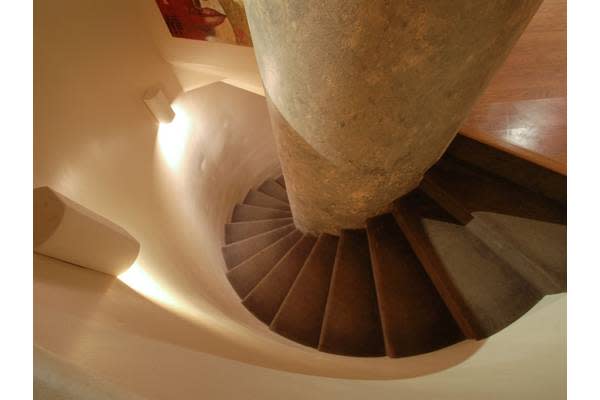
(300, 316)
(266, 297)
(414, 317)
(245, 276)
(274, 189)
(351, 324)
(495, 294)
(244, 212)
(409, 212)
(237, 231)
(519, 228)
(260, 199)
(239, 251)
(476, 190)
(537, 250)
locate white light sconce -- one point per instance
(157, 102)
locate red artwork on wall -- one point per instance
(203, 20)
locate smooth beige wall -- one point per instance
(93, 135)
(55, 379)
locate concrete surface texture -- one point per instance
(364, 99)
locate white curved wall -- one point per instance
(115, 335)
(186, 335)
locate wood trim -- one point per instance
(517, 151)
(408, 218)
(445, 200)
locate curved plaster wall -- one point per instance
(67, 231)
(206, 160)
(201, 166)
(171, 326)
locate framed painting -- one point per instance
(211, 20)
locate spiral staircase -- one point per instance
(475, 246)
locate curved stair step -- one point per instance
(274, 189)
(496, 294)
(237, 252)
(537, 250)
(246, 275)
(237, 231)
(244, 212)
(414, 317)
(300, 316)
(351, 325)
(260, 199)
(266, 297)
(488, 294)
(463, 189)
(526, 244)
(408, 211)
(510, 167)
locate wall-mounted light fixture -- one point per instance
(157, 102)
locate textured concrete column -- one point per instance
(366, 95)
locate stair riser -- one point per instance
(266, 298)
(259, 199)
(249, 273)
(237, 252)
(242, 213)
(237, 231)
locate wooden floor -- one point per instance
(524, 109)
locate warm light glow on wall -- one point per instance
(140, 281)
(143, 283)
(173, 137)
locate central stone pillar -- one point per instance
(365, 96)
